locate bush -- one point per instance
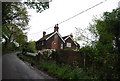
(64, 71)
(28, 58)
(67, 57)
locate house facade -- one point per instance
(55, 41)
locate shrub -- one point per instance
(64, 71)
(28, 58)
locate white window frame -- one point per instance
(68, 44)
(61, 46)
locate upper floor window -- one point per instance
(68, 44)
(42, 42)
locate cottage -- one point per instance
(55, 41)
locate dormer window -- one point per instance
(68, 44)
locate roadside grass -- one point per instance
(64, 71)
(61, 71)
(29, 58)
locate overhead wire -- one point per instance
(73, 16)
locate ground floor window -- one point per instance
(61, 46)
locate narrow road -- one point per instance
(14, 68)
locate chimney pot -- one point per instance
(71, 35)
(56, 28)
(44, 33)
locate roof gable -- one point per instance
(65, 38)
(54, 34)
(48, 36)
(45, 37)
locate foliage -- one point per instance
(103, 51)
(101, 57)
(83, 35)
(10, 47)
(108, 46)
(39, 6)
(15, 20)
(28, 47)
(63, 71)
(28, 58)
(31, 46)
(47, 54)
(67, 57)
(108, 29)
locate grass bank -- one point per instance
(61, 71)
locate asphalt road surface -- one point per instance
(14, 68)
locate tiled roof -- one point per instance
(72, 40)
(45, 37)
(77, 43)
(48, 35)
(65, 37)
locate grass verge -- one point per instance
(61, 71)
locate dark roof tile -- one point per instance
(65, 37)
(45, 37)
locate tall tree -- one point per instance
(108, 29)
(112, 20)
(108, 45)
(15, 19)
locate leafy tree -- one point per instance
(108, 29)
(105, 47)
(28, 47)
(112, 20)
(84, 36)
(15, 20)
(31, 46)
(39, 6)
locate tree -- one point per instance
(105, 47)
(84, 36)
(15, 20)
(39, 6)
(108, 29)
(31, 46)
(112, 20)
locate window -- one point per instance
(68, 45)
(61, 46)
(42, 42)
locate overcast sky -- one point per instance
(63, 9)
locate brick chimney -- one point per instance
(56, 28)
(44, 33)
(71, 35)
